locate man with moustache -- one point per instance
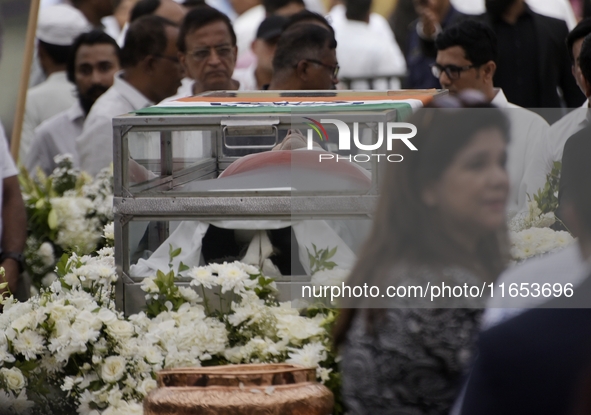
(92, 64)
(151, 72)
(207, 46)
(533, 61)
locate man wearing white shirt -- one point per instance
(57, 28)
(552, 146)
(260, 73)
(466, 56)
(365, 51)
(91, 67)
(151, 72)
(13, 223)
(247, 23)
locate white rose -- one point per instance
(106, 316)
(113, 369)
(146, 386)
(14, 378)
(46, 253)
(120, 329)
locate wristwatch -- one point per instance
(18, 257)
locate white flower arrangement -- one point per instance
(67, 211)
(69, 350)
(537, 241)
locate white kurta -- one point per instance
(366, 50)
(566, 266)
(561, 131)
(54, 95)
(527, 132)
(95, 144)
(55, 136)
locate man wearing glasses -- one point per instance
(466, 59)
(305, 59)
(207, 46)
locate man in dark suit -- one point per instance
(577, 149)
(533, 60)
(434, 17)
(539, 363)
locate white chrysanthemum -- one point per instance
(21, 404)
(13, 377)
(232, 278)
(202, 276)
(189, 294)
(113, 369)
(296, 328)
(109, 231)
(309, 356)
(149, 286)
(29, 343)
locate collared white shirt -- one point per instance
(565, 266)
(54, 95)
(95, 144)
(528, 129)
(366, 49)
(7, 167)
(246, 26)
(559, 9)
(247, 78)
(551, 146)
(55, 136)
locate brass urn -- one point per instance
(256, 389)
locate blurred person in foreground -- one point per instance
(92, 64)
(567, 265)
(440, 218)
(538, 362)
(467, 59)
(151, 72)
(305, 59)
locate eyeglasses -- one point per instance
(223, 51)
(333, 69)
(173, 59)
(453, 72)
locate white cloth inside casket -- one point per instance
(189, 235)
(343, 234)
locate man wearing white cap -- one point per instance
(57, 28)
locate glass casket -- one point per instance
(215, 176)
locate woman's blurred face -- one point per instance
(472, 192)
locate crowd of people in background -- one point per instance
(529, 62)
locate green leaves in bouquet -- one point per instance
(547, 197)
(319, 260)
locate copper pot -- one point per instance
(257, 389)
